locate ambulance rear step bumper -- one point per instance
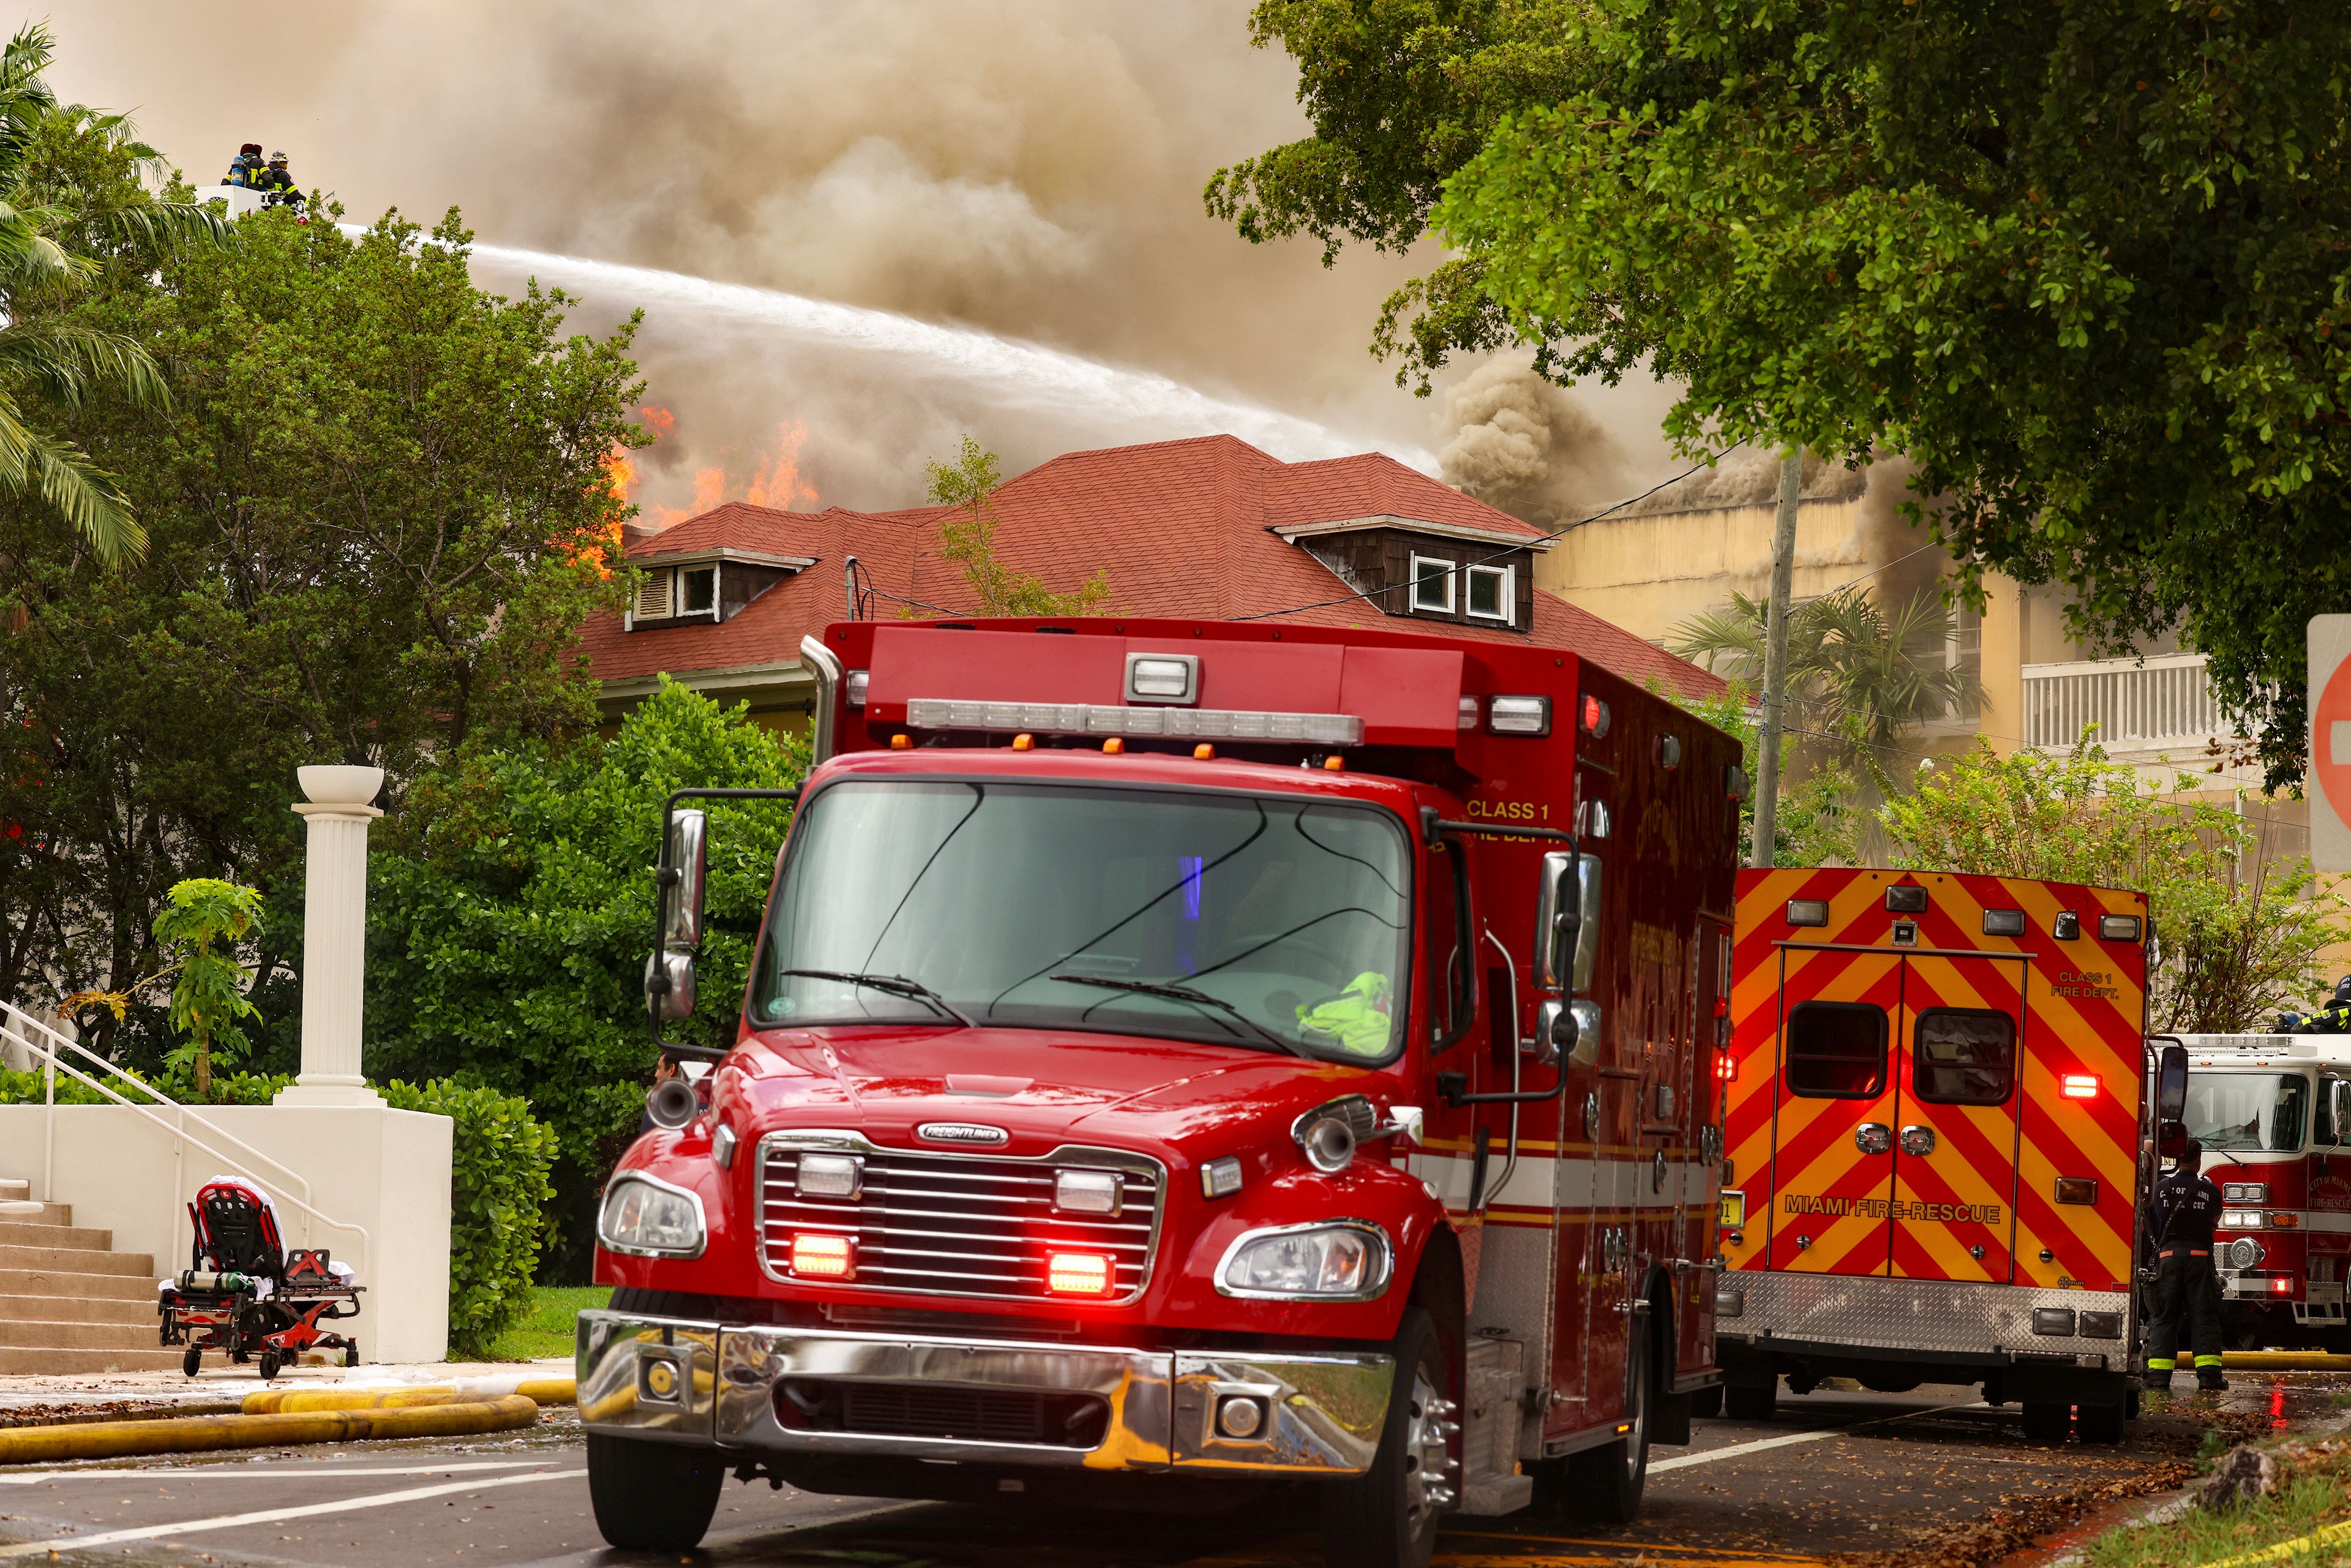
(1933, 1322)
(1097, 1407)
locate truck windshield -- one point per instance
(2247, 1110)
(1032, 905)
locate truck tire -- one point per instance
(653, 1497)
(2099, 1423)
(1604, 1484)
(1706, 1401)
(1750, 1401)
(1388, 1517)
(2046, 1423)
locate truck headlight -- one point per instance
(1344, 1260)
(649, 1219)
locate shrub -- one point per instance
(497, 1195)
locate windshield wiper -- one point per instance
(1175, 992)
(895, 985)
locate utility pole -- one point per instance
(1775, 656)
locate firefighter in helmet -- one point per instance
(2185, 1298)
(278, 183)
(2334, 1018)
(245, 168)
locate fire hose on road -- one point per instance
(196, 1433)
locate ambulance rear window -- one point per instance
(1836, 1050)
(1964, 1056)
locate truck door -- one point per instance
(1833, 1127)
(1954, 1210)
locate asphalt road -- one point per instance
(1929, 1478)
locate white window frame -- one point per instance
(1413, 586)
(678, 602)
(1509, 594)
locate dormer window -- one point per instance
(1432, 585)
(708, 591)
(1493, 592)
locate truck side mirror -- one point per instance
(2171, 1083)
(2341, 1118)
(1586, 938)
(2171, 1139)
(680, 876)
(669, 986)
(1557, 914)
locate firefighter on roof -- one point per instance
(2187, 1293)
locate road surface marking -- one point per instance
(269, 1515)
(279, 1471)
(1756, 1447)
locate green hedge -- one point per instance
(497, 1198)
(498, 1193)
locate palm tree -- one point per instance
(47, 236)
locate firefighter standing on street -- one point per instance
(2186, 1297)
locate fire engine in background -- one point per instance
(1181, 1059)
(1938, 1140)
(2273, 1113)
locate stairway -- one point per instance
(69, 1304)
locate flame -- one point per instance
(777, 482)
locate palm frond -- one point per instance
(68, 363)
(64, 479)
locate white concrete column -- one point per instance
(334, 936)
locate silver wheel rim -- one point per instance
(1428, 1429)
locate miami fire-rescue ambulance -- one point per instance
(1182, 1060)
(1934, 1124)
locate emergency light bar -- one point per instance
(1097, 718)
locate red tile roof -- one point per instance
(1178, 528)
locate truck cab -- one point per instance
(1184, 1060)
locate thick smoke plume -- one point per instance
(1533, 449)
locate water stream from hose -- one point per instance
(1148, 406)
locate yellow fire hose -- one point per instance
(2284, 1360)
(194, 1433)
(269, 1401)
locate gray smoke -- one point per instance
(1529, 448)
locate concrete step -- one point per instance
(76, 1336)
(58, 1360)
(28, 1232)
(76, 1259)
(59, 1282)
(17, 1187)
(137, 1309)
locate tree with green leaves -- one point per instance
(1816, 823)
(968, 537)
(512, 911)
(377, 516)
(2236, 931)
(2082, 265)
(199, 932)
(56, 234)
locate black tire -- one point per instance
(1750, 1401)
(1706, 1401)
(653, 1497)
(1388, 1517)
(269, 1363)
(1604, 1484)
(2099, 1423)
(191, 1361)
(2045, 1423)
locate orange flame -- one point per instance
(775, 480)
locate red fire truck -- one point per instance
(2273, 1113)
(1184, 1058)
(1938, 1138)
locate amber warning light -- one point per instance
(816, 1256)
(1078, 1274)
(2080, 1086)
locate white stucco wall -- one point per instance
(386, 1170)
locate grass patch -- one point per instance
(2314, 1491)
(547, 1328)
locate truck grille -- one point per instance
(962, 1225)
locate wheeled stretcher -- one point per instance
(244, 1295)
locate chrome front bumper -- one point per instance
(681, 1381)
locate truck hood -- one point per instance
(1043, 1087)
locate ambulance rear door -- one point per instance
(1962, 1024)
(1833, 1123)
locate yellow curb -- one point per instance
(117, 1439)
(2283, 1361)
(273, 1401)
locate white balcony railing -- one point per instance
(2161, 701)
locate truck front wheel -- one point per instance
(1388, 1517)
(653, 1497)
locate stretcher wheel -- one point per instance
(269, 1363)
(192, 1361)
(350, 1356)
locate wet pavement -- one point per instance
(1928, 1480)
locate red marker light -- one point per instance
(1078, 1274)
(1595, 717)
(1726, 1069)
(816, 1256)
(2080, 1086)
(2281, 1286)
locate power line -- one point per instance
(1512, 549)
